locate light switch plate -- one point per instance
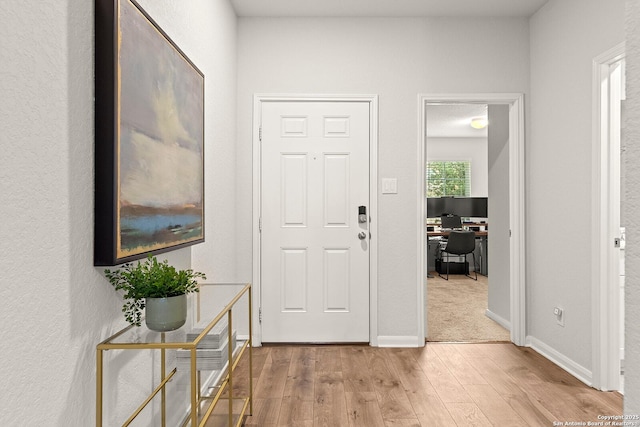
(389, 186)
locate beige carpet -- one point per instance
(456, 311)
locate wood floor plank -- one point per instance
(595, 403)
(468, 415)
(496, 409)
(408, 370)
(517, 367)
(392, 399)
(412, 422)
(219, 417)
(295, 412)
(608, 401)
(458, 365)
(558, 400)
(363, 409)
(554, 388)
(328, 359)
(241, 374)
(529, 366)
(424, 354)
(260, 355)
(531, 410)
(501, 381)
(356, 375)
(540, 366)
(303, 362)
(330, 405)
(570, 402)
(444, 382)
(265, 412)
(274, 376)
(429, 408)
(299, 389)
(281, 354)
(549, 389)
(301, 374)
(484, 350)
(426, 403)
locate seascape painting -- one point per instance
(158, 164)
(161, 140)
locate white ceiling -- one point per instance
(393, 8)
(453, 120)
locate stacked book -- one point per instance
(214, 338)
(212, 352)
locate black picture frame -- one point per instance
(149, 138)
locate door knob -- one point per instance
(362, 235)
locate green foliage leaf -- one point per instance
(150, 279)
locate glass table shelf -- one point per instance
(206, 377)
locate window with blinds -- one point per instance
(448, 178)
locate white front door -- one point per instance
(314, 251)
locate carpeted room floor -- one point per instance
(456, 311)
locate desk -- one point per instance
(446, 233)
(484, 255)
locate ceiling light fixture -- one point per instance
(479, 122)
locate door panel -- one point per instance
(336, 282)
(293, 190)
(293, 281)
(315, 267)
(336, 190)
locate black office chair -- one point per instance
(461, 243)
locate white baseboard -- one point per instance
(575, 369)
(498, 319)
(399, 341)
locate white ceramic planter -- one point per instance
(166, 314)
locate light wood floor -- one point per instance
(438, 385)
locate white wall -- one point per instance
(565, 37)
(55, 306)
(396, 58)
(464, 149)
(498, 243)
(632, 213)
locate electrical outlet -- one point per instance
(559, 312)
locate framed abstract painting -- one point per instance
(149, 138)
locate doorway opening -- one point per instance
(511, 155)
(458, 184)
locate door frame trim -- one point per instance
(372, 100)
(516, 201)
(604, 283)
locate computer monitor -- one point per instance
(435, 207)
(450, 222)
(469, 207)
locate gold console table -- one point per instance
(202, 405)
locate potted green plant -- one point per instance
(156, 287)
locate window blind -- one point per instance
(448, 178)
